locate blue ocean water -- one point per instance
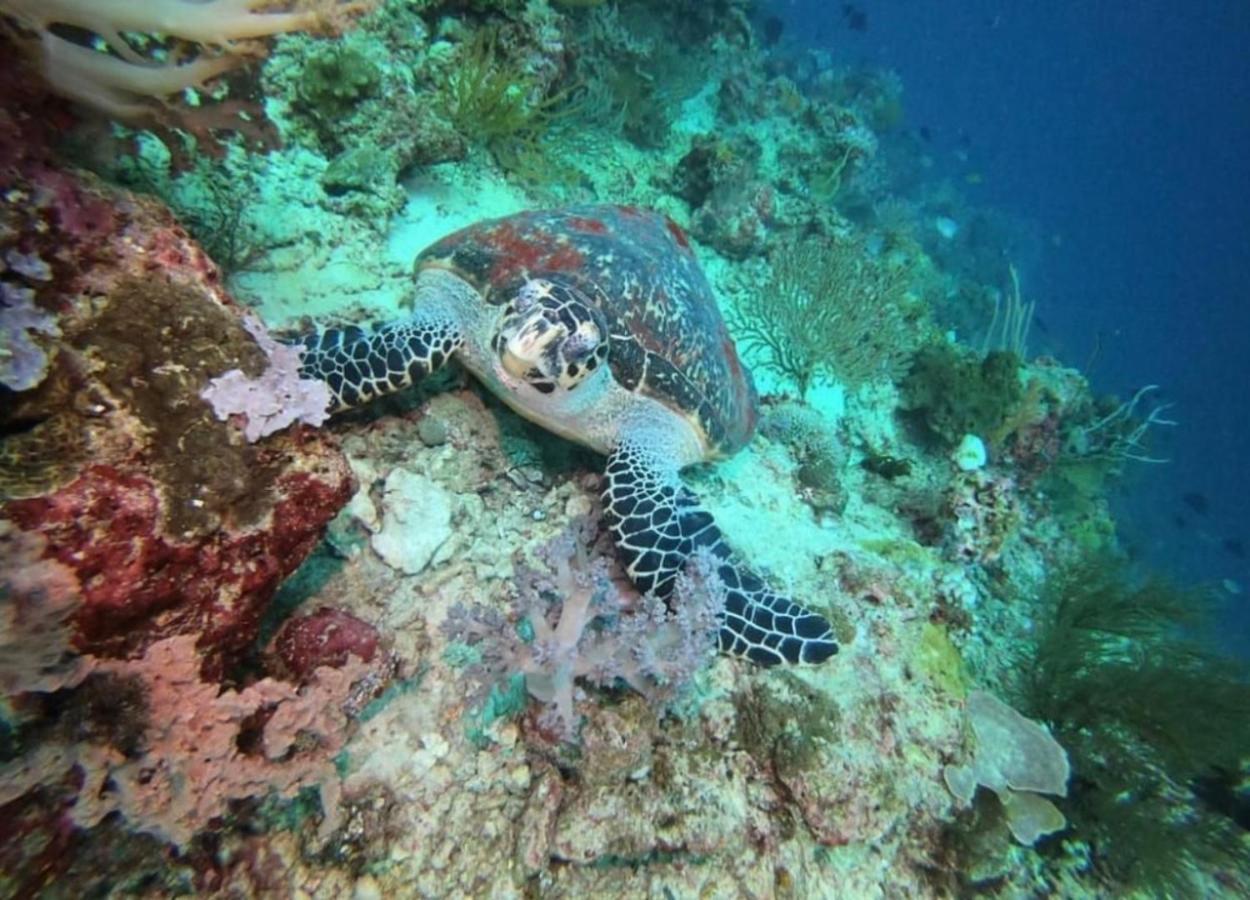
(1121, 133)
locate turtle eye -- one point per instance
(530, 294)
(579, 353)
(580, 344)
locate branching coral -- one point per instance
(598, 636)
(1121, 435)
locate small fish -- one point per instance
(1232, 587)
(772, 28)
(888, 467)
(946, 227)
(974, 178)
(1197, 502)
(1180, 522)
(925, 134)
(1221, 791)
(1234, 547)
(856, 18)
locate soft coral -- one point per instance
(602, 633)
(86, 56)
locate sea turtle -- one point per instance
(597, 323)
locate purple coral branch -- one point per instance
(600, 635)
(23, 363)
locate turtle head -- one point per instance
(551, 336)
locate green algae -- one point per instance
(940, 661)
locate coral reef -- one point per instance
(170, 523)
(193, 760)
(247, 652)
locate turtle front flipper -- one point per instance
(360, 364)
(658, 523)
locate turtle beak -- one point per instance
(523, 352)
(513, 364)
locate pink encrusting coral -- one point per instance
(38, 598)
(984, 514)
(192, 763)
(325, 637)
(278, 397)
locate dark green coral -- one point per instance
(1144, 710)
(335, 78)
(952, 392)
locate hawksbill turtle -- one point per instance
(597, 323)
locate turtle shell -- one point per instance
(668, 340)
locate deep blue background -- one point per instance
(1123, 131)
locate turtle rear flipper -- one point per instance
(361, 364)
(658, 524)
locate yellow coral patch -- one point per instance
(939, 659)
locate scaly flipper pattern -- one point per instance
(360, 364)
(658, 523)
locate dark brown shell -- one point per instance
(668, 340)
